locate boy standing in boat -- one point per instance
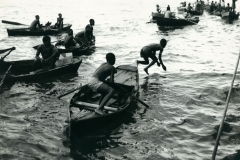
(49, 54)
(35, 23)
(98, 84)
(149, 51)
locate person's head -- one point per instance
(37, 17)
(92, 22)
(110, 57)
(157, 6)
(228, 4)
(60, 15)
(70, 32)
(163, 42)
(46, 40)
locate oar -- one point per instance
(62, 95)
(124, 90)
(35, 47)
(5, 50)
(7, 54)
(14, 23)
(2, 81)
(190, 21)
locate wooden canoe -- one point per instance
(75, 50)
(229, 16)
(176, 22)
(81, 109)
(22, 70)
(40, 32)
(155, 15)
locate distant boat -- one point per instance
(230, 16)
(155, 15)
(177, 22)
(39, 32)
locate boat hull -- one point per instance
(22, 70)
(176, 22)
(92, 121)
(27, 32)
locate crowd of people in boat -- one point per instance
(83, 38)
(36, 25)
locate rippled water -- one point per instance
(185, 107)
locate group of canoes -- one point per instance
(106, 99)
(227, 12)
(169, 18)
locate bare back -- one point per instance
(104, 71)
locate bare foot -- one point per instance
(99, 111)
(146, 70)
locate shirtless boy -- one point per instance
(49, 54)
(97, 82)
(149, 51)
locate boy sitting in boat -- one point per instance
(59, 23)
(158, 9)
(92, 37)
(98, 84)
(68, 41)
(49, 55)
(35, 24)
(149, 51)
(84, 37)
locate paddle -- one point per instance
(190, 21)
(13, 23)
(187, 20)
(13, 48)
(5, 50)
(114, 85)
(35, 47)
(5, 75)
(62, 95)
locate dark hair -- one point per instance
(37, 16)
(110, 57)
(91, 20)
(46, 39)
(163, 42)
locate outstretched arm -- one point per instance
(160, 60)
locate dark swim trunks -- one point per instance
(146, 52)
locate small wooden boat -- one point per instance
(177, 22)
(81, 109)
(195, 12)
(76, 51)
(40, 32)
(181, 9)
(216, 13)
(155, 15)
(230, 16)
(23, 70)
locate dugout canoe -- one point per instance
(40, 32)
(155, 15)
(230, 16)
(23, 70)
(195, 12)
(176, 22)
(82, 105)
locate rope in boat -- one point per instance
(225, 111)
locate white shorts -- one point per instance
(94, 83)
